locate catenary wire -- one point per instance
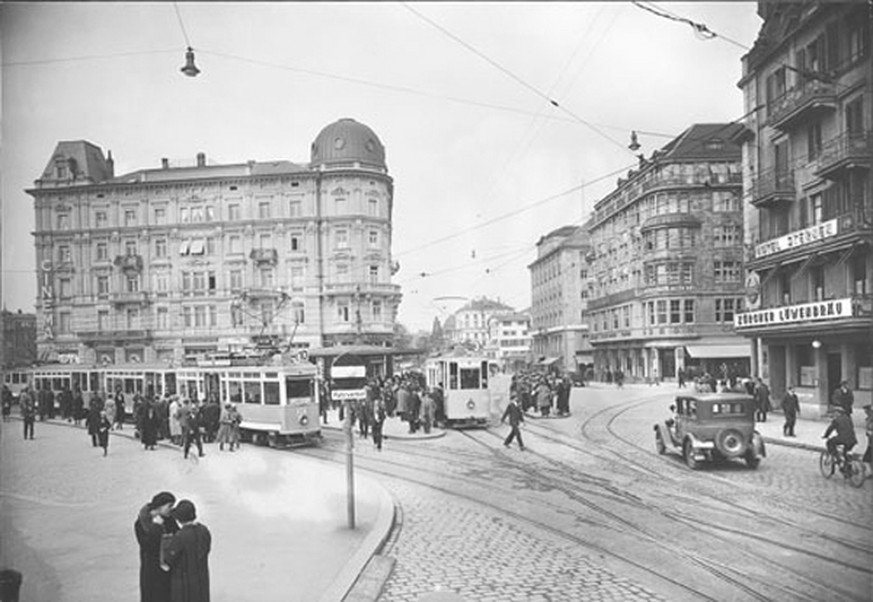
(181, 24)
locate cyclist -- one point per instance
(845, 429)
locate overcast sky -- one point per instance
(483, 164)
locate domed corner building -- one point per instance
(188, 258)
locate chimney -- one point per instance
(201, 159)
(110, 164)
(165, 163)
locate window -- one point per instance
(210, 246)
(727, 271)
(341, 206)
(209, 213)
(373, 238)
(625, 313)
(662, 311)
(265, 240)
(234, 244)
(63, 221)
(64, 322)
(296, 241)
(342, 238)
(725, 310)
(266, 277)
(130, 247)
(727, 236)
(161, 282)
(236, 280)
(102, 285)
(675, 311)
(160, 247)
(65, 254)
(64, 288)
(102, 251)
(298, 312)
(855, 118)
(296, 208)
(860, 285)
(377, 310)
(196, 214)
(817, 281)
(102, 320)
(785, 286)
(132, 284)
(187, 316)
(724, 201)
(100, 220)
(163, 318)
(813, 141)
(342, 272)
(373, 207)
(297, 277)
(199, 316)
(816, 211)
(160, 216)
(343, 310)
(264, 210)
(184, 215)
(233, 212)
(132, 316)
(374, 274)
(129, 217)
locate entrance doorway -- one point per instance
(835, 373)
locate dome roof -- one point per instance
(347, 141)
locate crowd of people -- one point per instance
(537, 391)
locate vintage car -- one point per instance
(710, 427)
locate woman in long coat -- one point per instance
(152, 523)
(187, 556)
(93, 420)
(544, 397)
(175, 424)
(149, 426)
(225, 427)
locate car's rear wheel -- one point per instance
(826, 464)
(688, 452)
(659, 443)
(730, 443)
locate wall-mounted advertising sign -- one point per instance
(804, 312)
(47, 294)
(798, 238)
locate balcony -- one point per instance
(363, 288)
(801, 104)
(671, 220)
(129, 263)
(264, 257)
(700, 179)
(772, 187)
(130, 298)
(847, 151)
(114, 337)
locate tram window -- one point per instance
(297, 388)
(453, 375)
(93, 381)
(469, 378)
(170, 381)
(252, 391)
(223, 394)
(484, 375)
(235, 391)
(56, 384)
(271, 393)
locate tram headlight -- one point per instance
(471, 404)
(304, 420)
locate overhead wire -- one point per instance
(700, 29)
(182, 25)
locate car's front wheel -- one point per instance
(688, 452)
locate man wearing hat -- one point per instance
(844, 398)
(845, 429)
(186, 557)
(152, 524)
(868, 455)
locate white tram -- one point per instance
(465, 383)
(278, 403)
(16, 380)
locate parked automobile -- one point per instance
(709, 427)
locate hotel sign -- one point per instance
(791, 314)
(798, 238)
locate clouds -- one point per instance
(264, 94)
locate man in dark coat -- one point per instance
(844, 398)
(152, 524)
(28, 411)
(762, 401)
(516, 418)
(845, 429)
(186, 556)
(791, 408)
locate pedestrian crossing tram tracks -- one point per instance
(609, 504)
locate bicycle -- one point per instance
(849, 464)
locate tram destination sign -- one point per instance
(804, 312)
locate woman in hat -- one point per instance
(186, 557)
(103, 432)
(225, 427)
(152, 524)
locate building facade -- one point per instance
(510, 340)
(808, 89)
(163, 263)
(559, 300)
(470, 324)
(18, 337)
(667, 257)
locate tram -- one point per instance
(16, 380)
(465, 381)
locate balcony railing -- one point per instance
(101, 336)
(264, 256)
(845, 151)
(773, 186)
(127, 297)
(801, 102)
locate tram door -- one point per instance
(211, 386)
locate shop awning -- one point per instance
(584, 357)
(548, 361)
(706, 352)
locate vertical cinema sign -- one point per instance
(47, 295)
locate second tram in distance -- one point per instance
(465, 381)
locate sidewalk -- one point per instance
(809, 431)
(278, 519)
(392, 428)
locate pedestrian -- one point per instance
(868, 424)
(564, 388)
(65, 398)
(379, 413)
(225, 427)
(95, 407)
(120, 409)
(152, 524)
(680, 377)
(236, 420)
(844, 427)
(7, 403)
(103, 432)
(27, 406)
(791, 409)
(78, 406)
(762, 401)
(428, 407)
(844, 397)
(149, 425)
(175, 425)
(516, 419)
(544, 397)
(189, 418)
(186, 556)
(211, 419)
(110, 408)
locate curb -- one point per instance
(794, 444)
(435, 434)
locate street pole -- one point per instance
(350, 464)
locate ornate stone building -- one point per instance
(176, 261)
(808, 89)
